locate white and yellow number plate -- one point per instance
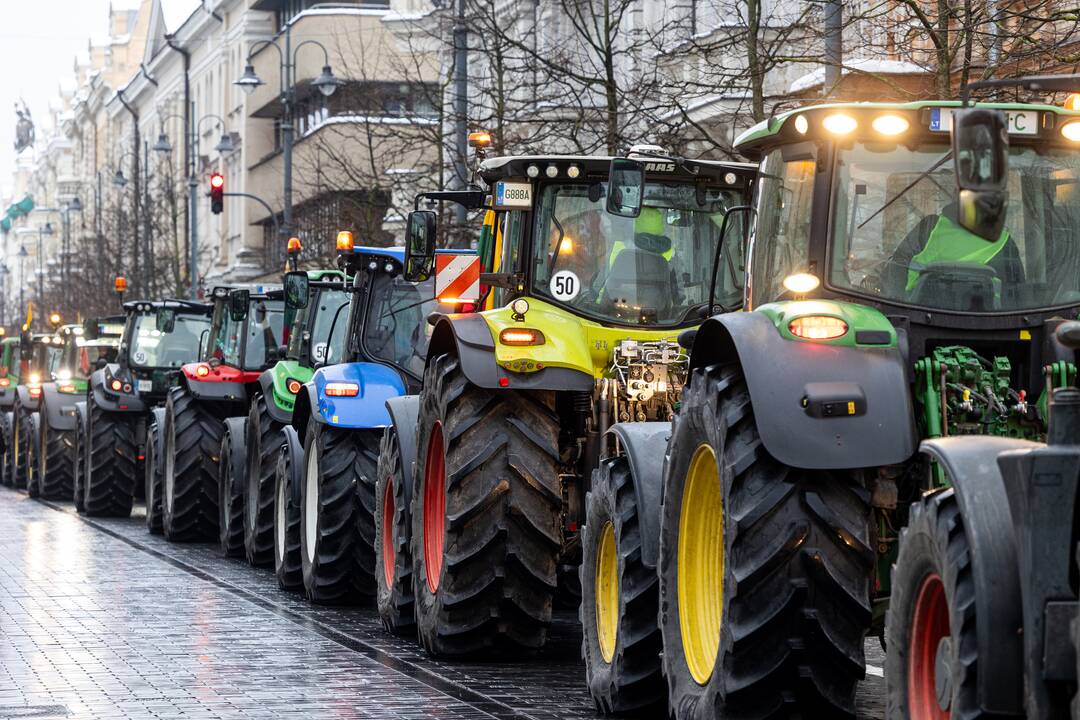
(1019, 122)
(513, 195)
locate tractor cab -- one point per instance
(386, 322)
(80, 355)
(9, 371)
(42, 360)
(244, 338)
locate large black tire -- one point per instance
(152, 469)
(32, 428)
(109, 480)
(7, 437)
(288, 476)
(262, 458)
(393, 523)
(934, 575)
(337, 514)
(487, 474)
(21, 445)
(796, 557)
(56, 472)
(623, 675)
(192, 439)
(78, 458)
(231, 482)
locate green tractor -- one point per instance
(735, 560)
(81, 354)
(9, 381)
(40, 353)
(309, 320)
(574, 332)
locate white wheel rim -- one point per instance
(170, 470)
(311, 503)
(279, 522)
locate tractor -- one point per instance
(9, 381)
(309, 318)
(486, 471)
(40, 356)
(205, 412)
(324, 508)
(121, 412)
(736, 558)
(81, 353)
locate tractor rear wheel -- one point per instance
(764, 569)
(621, 643)
(393, 522)
(78, 458)
(337, 515)
(7, 437)
(32, 429)
(192, 441)
(20, 445)
(109, 477)
(931, 668)
(230, 483)
(154, 459)
(262, 457)
(54, 468)
(486, 525)
(288, 475)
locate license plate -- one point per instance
(145, 385)
(1019, 122)
(513, 195)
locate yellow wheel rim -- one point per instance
(700, 572)
(607, 593)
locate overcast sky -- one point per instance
(39, 42)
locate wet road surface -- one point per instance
(101, 619)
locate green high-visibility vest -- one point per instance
(618, 246)
(948, 242)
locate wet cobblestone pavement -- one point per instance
(102, 620)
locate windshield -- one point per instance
(895, 232)
(651, 270)
(152, 348)
(80, 356)
(396, 328)
(253, 340)
(325, 307)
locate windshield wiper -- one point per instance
(941, 161)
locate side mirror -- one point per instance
(980, 147)
(165, 322)
(420, 245)
(238, 304)
(626, 187)
(297, 287)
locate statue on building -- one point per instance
(24, 128)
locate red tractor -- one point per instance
(205, 413)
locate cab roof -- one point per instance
(779, 128)
(596, 167)
(192, 306)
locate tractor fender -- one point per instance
(781, 374)
(367, 409)
(645, 447)
(22, 396)
(59, 408)
(293, 445)
(404, 416)
(217, 390)
(7, 397)
(970, 464)
(266, 383)
(468, 336)
(112, 401)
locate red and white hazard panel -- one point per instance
(457, 278)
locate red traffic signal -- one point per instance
(217, 193)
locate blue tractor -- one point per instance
(325, 476)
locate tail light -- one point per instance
(202, 370)
(293, 386)
(35, 392)
(521, 337)
(818, 327)
(68, 388)
(5, 382)
(116, 385)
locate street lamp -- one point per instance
(326, 83)
(225, 146)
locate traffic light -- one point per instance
(217, 193)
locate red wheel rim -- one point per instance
(389, 554)
(929, 627)
(434, 507)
